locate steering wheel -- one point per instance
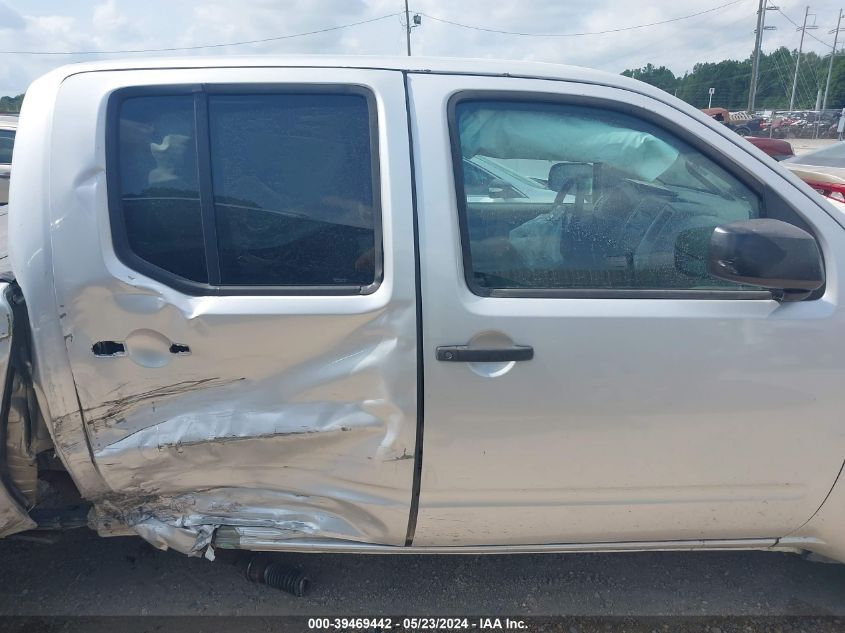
(580, 195)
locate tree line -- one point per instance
(11, 104)
(731, 78)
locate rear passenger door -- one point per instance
(585, 379)
(237, 283)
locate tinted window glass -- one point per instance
(159, 190)
(628, 206)
(7, 142)
(476, 180)
(293, 189)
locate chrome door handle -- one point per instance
(464, 354)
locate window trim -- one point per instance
(200, 92)
(773, 206)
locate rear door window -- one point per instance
(159, 184)
(245, 191)
(293, 189)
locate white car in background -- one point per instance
(824, 170)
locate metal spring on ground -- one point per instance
(278, 575)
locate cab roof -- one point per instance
(434, 65)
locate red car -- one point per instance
(774, 147)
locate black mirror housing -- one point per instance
(768, 253)
(560, 173)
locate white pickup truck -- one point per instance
(412, 305)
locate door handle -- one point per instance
(464, 354)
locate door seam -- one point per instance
(418, 445)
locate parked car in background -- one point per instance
(8, 126)
(744, 124)
(823, 170)
(801, 124)
(740, 122)
(774, 147)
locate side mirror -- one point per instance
(767, 253)
(500, 189)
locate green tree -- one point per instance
(836, 96)
(662, 77)
(11, 104)
(731, 79)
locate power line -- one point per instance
(807, 84)
(625, 28)
(192, 48)
(799, 26)
(781, 75)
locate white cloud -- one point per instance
(10, 19)
(55, 25)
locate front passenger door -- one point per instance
(633, 397)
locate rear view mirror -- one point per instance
(767, 253)
(561, 173)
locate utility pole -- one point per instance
(755, 63)
(410, 24)
(758, 42)
(832, 55)
(798, 61)
(407, 28)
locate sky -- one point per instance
(111, 25)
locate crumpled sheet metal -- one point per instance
(13, 518)
(187, 522)
(191, 542)
(322, 448)
(304, 400)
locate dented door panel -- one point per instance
(296, 413)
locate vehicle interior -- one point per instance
(613, 224)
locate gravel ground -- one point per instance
(85, 575)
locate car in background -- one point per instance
(744, 124)
(774, 147)
(740, 122)
(823, 170)
(8, 127)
